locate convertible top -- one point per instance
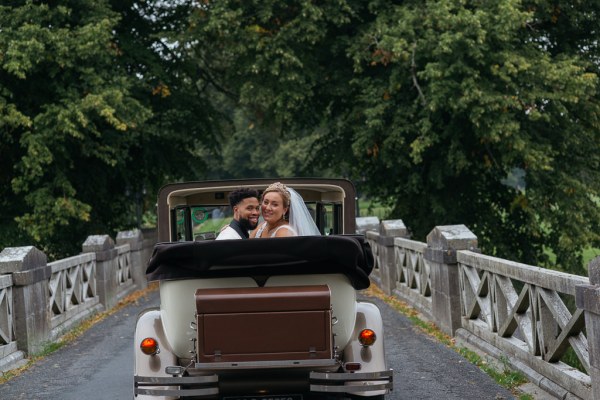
(258, 258)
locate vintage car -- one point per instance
(261, 318)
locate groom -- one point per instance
(246, 210)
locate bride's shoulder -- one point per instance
(285, 230)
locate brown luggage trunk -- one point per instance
(264, 324)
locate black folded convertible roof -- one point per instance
(258, 258)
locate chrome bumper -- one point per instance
(364, 383)
(352, 382)
(176, 385)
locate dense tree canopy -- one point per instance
(93, 113)
(450, 111)
(482, 113)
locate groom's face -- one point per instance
(247, 212)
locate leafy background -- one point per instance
(440, 112)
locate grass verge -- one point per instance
(511, 380)
(76, 332)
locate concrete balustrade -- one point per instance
(520, 315)
(41, 300)
(135, 240)
(388, 231)
(30, 275)
(588, 299)
(442, 245)
(511, 311)
(103, 247)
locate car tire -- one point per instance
(378, 397)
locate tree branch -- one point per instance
(413, 69)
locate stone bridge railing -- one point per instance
(40, 301)
(529, 317)
(532, 318)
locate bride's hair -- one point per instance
(298, 215)
(280, 188)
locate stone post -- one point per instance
(30, 275)
(106, 267)
(442, 244)
(150, 239)
(364, 224)
(588, 299)
(388, 230)
(135, 239)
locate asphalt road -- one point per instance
(99, 365)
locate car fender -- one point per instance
(149, 324)
(372, 358)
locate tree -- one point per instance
(95, 115)
(484, 96)
(435, 107)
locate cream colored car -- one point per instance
(263, 318)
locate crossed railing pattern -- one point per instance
(412, 270)
(73, 289)
(123, 269)
(413, 273)
(7, 333)
(528, 312)
(372, 238)
(72, 285)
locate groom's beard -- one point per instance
(246, 224)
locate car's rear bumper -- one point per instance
(363, 383)
(176, 386)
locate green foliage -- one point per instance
(506, 377)
(486, 98)
(266, 60)
(481, 113)
(94, 117)
(370, 208)
(432, 106)
(64, 109)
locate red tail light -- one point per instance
(352, 366)
(367, 337)
(149, 346)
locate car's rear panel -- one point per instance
(264, 324)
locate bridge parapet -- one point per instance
(24, 306)
(388, 231)
(529, 314)
(102, 247)
(525, 316)
(73, 292)
(135, 239)
(364, 224)
(588, 299)
(39, 301)
(443, 242)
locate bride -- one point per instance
(279, 201)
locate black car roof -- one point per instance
(259, 258)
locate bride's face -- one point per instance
(272, 207)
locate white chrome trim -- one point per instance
(266, 364)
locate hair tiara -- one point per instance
(279, 188)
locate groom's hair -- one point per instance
(238, 195)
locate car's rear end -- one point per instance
(265, 318)
(264, 342)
